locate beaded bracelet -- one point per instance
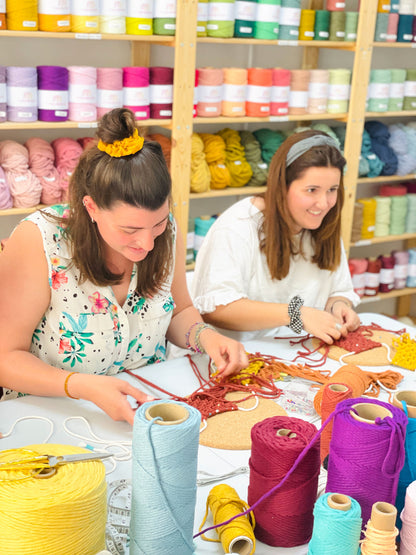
(66, 385)
(188, 333)
(200, 329)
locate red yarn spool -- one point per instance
(285, 517)
(386, 273)
(372, 277)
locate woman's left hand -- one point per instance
(228, 355)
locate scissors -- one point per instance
(44, 466)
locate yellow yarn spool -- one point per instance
(65, 513)
(235, 158)
(22, 15)
(238, 535)
(215, 155)
(200, 174)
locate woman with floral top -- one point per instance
(98, 287)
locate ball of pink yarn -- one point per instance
(42, 164)
(24, 185)
(6, 200)
(67, 153)
(87, 142)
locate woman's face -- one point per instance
(129, 230)
(312, 196)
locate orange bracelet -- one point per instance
(66, 385)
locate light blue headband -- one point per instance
(304, 145)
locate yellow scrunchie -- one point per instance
(125, 147)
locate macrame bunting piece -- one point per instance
(405, 355)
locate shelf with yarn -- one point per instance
(9, 125)
(338, 45)
(394, 293)
(156, 39)
(398, 113)
(387, 178)
(228, 192)
(384, 239)
(270, 119)
(394, 44)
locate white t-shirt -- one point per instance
(229, 266)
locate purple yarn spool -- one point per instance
(22, 94)
(3, 94)
(366, 457)
(52, 93)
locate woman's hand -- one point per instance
(228, 355)
(346, 316)
(109, 394)
(322, 324)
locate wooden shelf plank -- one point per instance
(398, 113)
(387, 178)
(394, 44)
(156, 39)
(21, 211)
(339, 45)
(10, 125)
(270, 119)
(385, 239)
(390, 295)
(228, 192)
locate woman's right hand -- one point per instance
(108, 393)
(322, 324)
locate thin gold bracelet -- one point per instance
(340, 301)
(66, 385)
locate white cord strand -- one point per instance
(48, 420)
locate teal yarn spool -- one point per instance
(396, 92)
(245, 16)
(382, 22)
(202, 225)
(266, 26)
(165, 451)
(409, 100)
(164, 17)
(394, 6)
(337, 26)
(289, 19)
(351, 25)
(337, 526)
(221, 18)
(379, 90)
(411, 270)
(405, 28)
(321, 30)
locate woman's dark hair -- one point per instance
(276, 237)
(141, 179)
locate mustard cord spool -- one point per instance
(61, 514)
(238, 535)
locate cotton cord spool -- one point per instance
(165, 434)
(215, 155)
(398, 214)
(51, 516)
(409, 100)
(237, 536)
(200, 174)
(252, 150)
(307, 25)
(3, 26)
(411, 214)
(321, 30)
(337, 26)
(161, 92)
(210, 82)
(386, 273)
(235, 160)
(383, 6)
(338, 90)
(259, 83)
(289, 19)
(276, 444)
(380, 533)
(332, 394)
(382, 221)
(136, 91)
(42, 165)
(85, 17)
(54, 16)
(299, 91)
(113, 17)
(369, 217)
(382, 22)
(372, 277)
(53, 99)
(139, 17)
(411, 276)
(358, 269)
(318, 91)
(22, 96)
(351, 25)
(405, 28)
(3, 95)
(234, 92)
(408, 518)
(367, 451)
(392, 27)
(337, 526)
(335, 5)
(109, 89)
(82, 93)
(266, 24)
(202, 18)
(379, 90)
(22, 15)
(245, 16)
(279, 98)
(164, 17)
(220, 18)
(357, 222)
(401, 263)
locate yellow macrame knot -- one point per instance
(405, 355)
(125, 147)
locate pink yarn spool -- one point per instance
(82, 93)
(386, 273)
(401, 268)
(25, 187)
(42, 164)
(6, 200)
(358, 268)
(279, 102)
(392, 25)
(195, 93)
(210, 82)
(22, 94)
(109, 89)
(161, 92)
(67, 153)
(136, 91)
(335, 5)
(3, 95)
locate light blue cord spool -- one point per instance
(411, 269)
(165, 450)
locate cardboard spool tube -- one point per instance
(339, 501)
(369, 412)
(284, 432)
(409, 397)
(383, 516)
(338, 387)
(169, 413)
(240, 546)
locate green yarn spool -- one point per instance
(221, 18)
(337, 26)
(202, 18)
(322, 24)
(398, 211)
(164, 17)
(266, 25)
(409, 100)
(252, 150)
(382, 225)
(351, 25)
(338, 91)
(245, 16)
(396, 93)
(382, 21)
(379, 90)
(289, 20)
(269, 142)
(411, 213)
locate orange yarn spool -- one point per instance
(332, 394)
(234, 92)
(258, 92)
(209, 92)
(299, 91)
(2, 21)
(54, 18)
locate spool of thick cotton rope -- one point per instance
(200, 174)
(3, 26)
(379, 90)
(307, 25)
(369, 217)
(267, 19)
(358, 268)
(220, 18)
(318, 91)
(398, 214)
(3, 94)
(411, 214)
(409, 100)
(22, 15)
(392, 27)
(380, 33)
(289, 19)
(299, 92)
(396, 90)
(54, 17)
(259, 88)
(215, 155)
(82, 93)
(53, 99)
(109, 89)
(234, 91)
(338, 90)
(85, 17)
(210, 82)
(202, 18)
(351, 25)
(113, 17)
(136, 91)
(386, 273)
(411, 271)
(337, 26)
(394, 6)
(372, 277)
(279, 101)
(253, 155)
(401, 263)
(357, 222)
(335, 5)
(321, 30)
(235, 160)
(245, 16)
(161, 92)
(164, 17)
(382, 223)
(22, 94)
(383, 6)
(405, 28)
(139, 17)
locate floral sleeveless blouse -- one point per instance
(84, 329)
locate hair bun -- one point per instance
(116, 125)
